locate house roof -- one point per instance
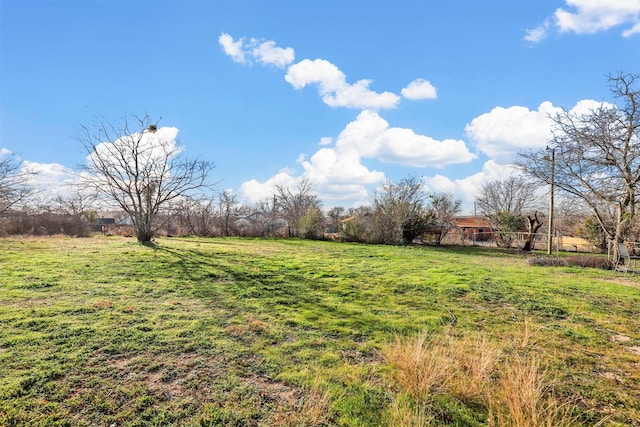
(471, 222)
(105, 221)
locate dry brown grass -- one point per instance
(424, 366)
(515, 391)
(421, 365)
(404, 413)
(103, 303)
(309, 409)
(251, 325)
(522, 397)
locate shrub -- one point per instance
(590, 262)
(585, 261)
(547, 261)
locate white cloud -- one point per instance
(591, 16)
(152, 146)
(631, 31)
(330, 81)
(255, 191)
(268, 53)
(537, 34)
(232, 48)
(265, 52)
(336, 166)
(420, 89)
(372, 137)
(338, 172)
(330, 192)
(586, 106)
(326, 140)
(333, 87)
(51, 179)
(502, 132)
(466, 189)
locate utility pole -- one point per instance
(550, 226)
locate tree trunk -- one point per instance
(533, 225)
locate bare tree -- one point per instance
(533, 225)
(504, 203)
(335, 216)
(228, 210)
(140, 168)
(398, 208)
(294, 206)
(14, 182)
(597, 157)
(196, 216)
(79, 207)
(444, 209)
(513, 195)
(263, 218)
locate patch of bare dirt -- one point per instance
(270, 389)
(634, 350)
(620, 338)
(625, 282)
(611, 376)
(168, 376)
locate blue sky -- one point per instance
(344, 93)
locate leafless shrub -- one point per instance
(589, 262)
(585, 261)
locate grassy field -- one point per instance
(239, 332)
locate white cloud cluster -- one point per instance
(339, 169)
(153, 146)
(254, 190)
(265, 52)
(372, 137)
(49, 174)
(51, 179)
(333, 87)
(467, 188)
(503, 131)
(420, 89)
(591, 16)
(331, 82)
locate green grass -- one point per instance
(235, 332)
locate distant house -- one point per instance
(103, 225)
(472, 228)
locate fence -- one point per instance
(517, 240)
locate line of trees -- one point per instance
(597, 159)
(596, 169)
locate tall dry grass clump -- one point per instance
(474, 370)
(473, 360)
(424, 366)
(522, 397)
(421, 364)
